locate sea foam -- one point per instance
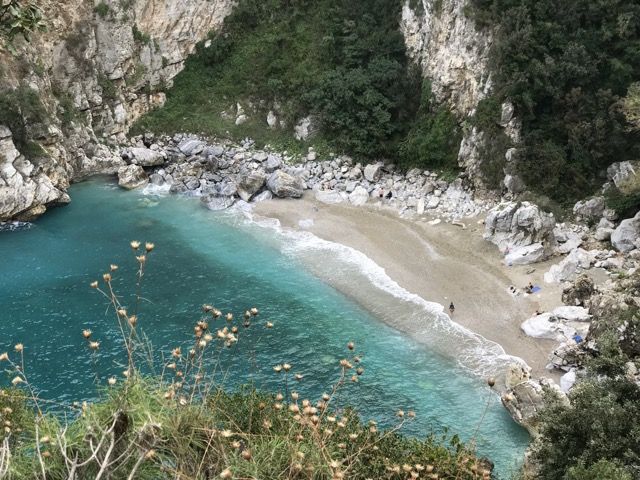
(359, 277)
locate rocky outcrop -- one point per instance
(627, 236)
(451, 51)
(453, 54)
(98, 70)
(625, 176)
(525, 400)
(26, 188)
(132, 176)
(522, 232)
(570, 267)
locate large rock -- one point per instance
(191, 147)
(626, 234)
(517, 373)
(512, 226)
(591, 209)
(284, 185)
(145, 157)
(570, 267)
(217, 202)
(132, 176)
(24, 190)
(372, 172)
(250, 185)
(579, 292)
(359, 196)
(329, 197)
(625, 176)
(526, 400)
(546, 326)
(572, 313)
(525, 255)
(305, 129)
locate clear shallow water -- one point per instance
(229, 261)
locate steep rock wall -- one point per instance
(449, 49)
(99, 67)
(454, 55)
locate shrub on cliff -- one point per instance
(23, 113)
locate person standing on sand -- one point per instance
(452, 309)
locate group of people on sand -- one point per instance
(528, 289)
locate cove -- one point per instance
(235, 263)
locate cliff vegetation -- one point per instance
(569, 69)
(342, 62)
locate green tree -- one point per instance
(631, 106)
(564, 66)
(598, 436)
(434, 137)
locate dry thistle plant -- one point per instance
(186, 423)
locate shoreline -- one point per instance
(440, 263)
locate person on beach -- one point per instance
(452, 308)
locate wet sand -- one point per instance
(441, 263)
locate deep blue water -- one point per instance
(233, 263)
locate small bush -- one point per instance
(102, 9)
(21, 111)
(138, 73)
(109, 89)
(140, 36)
(599, 434)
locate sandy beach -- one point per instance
(441, 263)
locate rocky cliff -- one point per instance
(444, 41)
(450, 51)
(103, 63)
(98, 68)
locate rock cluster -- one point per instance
(225, 174)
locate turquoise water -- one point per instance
(311, 290)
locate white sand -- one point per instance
(440, 263)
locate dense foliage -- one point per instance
(342, 61)
(18, 20)
(598, 437)
(565, 66)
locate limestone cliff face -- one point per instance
(454, 55)
(99, 67)
(451, 52)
